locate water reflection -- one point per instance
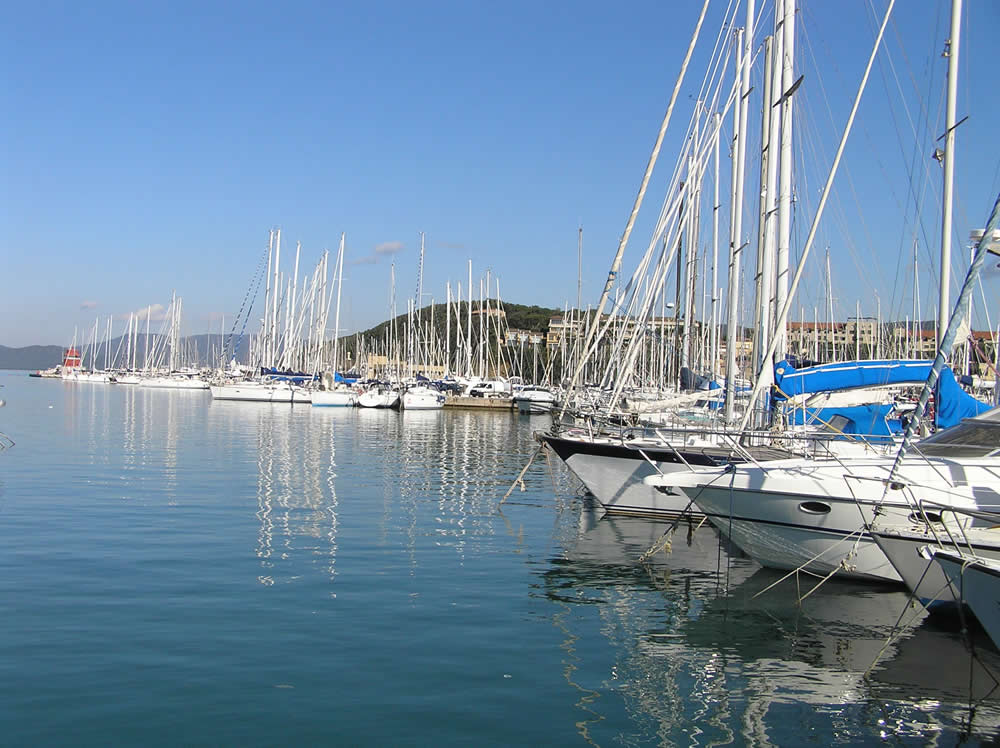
(297, 503)
(462, 462)
(698, 660)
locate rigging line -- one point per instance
(253, 287)
(863, 276)
(859, 265)
(616, 263)
(783, 315)
(925, 125)
(714, 60)
(921, 135)
(909, 119)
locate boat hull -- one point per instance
(614, 474)
(925, 578)
(778, 534)
(422, 398)
(977, 581)
(334, 399)
(377, 399)
(172, 383)
(815, 514)
(261, 393)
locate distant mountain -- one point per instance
(202, 349)
(30, 357)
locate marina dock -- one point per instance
(479, 403)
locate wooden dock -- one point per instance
(479, 403)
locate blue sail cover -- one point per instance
(847, 375)
(953, 403)
(871, 421)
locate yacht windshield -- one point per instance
(973, 437)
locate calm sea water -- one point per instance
(179, 571)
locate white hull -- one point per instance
(334, 399)
(534, 401)
(781, 536)
(812, 514)
(618, 485)
(261, 393)
(978, 583)
(86, 376)
(378, 399)
(422, 398)
(925, 578)
(533, 406)
(615, 471)
(173, 383)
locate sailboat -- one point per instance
(333, 392)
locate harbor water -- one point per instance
(178, 571)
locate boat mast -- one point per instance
(951, 52)
(714, 342)
(149, 313)
(579, 267)
(623, 242)
(744, 44)
(336, 315)
(468, 329)
(766, 272)
(274, 305)
(785, 177)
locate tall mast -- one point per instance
(336, 315)
(149, 313)
(394, 330)
(267, 288)
(468, 329)
(291, 303)
(785, 178)
(447, 329)
(829, 302)
(481, 343)
(274, 305)
(744, 45)
(916, 300)
(579, 266)
(951, 51)
(623, 242)
(767, 271)
(714, 342)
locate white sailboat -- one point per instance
(333, 394)
(379, 396)
(534, 399)
(422, 397)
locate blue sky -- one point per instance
(149, 147)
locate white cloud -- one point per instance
(388, 248)
(385, 249)
(156, 312)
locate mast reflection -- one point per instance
(695, 663)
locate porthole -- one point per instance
(814, 507)
(921, 517)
